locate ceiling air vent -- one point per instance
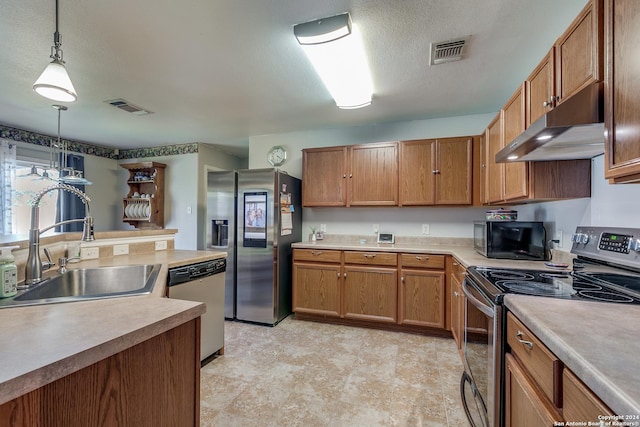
(125, 105)
(448, 51)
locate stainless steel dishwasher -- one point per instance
(203, 282)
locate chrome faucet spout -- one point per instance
(34, 267)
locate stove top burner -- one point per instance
(589, 283)
(606, 296)
(555, 289)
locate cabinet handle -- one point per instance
(402, 279)
(419, 258)
(519, 335)
(435, 171)
(316, 253)
(456, 294)
(344, 274)
(550, 102)
(350, 175)
(369, 256)
(338, 274)
(344, 175)
(455, 263)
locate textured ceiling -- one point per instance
(218, 71)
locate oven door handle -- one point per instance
(483, 307)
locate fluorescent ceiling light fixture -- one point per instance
(334, 47)
(512, 157)
(54, 82)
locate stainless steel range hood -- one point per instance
(572, 130)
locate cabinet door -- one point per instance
(373, 174)
(622, 104)
(370, 293)
(495, 171)
(422, 298)
(481, 174)
(540, 89)
(324, 172)
(454, 171)
(524, 406)
(417, 167)
(457, 320)
(316, 289)
(516, 173)
(579, 402)
(579, 52)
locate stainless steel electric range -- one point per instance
(606, 269)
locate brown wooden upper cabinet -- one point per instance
(516, 174)
(579, 52)
(356, 175)
(436, 171)
(494, 172)
(574, 62)
(540, 89)
(622, 104)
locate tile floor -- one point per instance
(301, 373)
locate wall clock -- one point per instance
(277, 155)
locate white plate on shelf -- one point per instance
(127, 211)
(148, 211)
(139, 210)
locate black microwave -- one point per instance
(510, 239)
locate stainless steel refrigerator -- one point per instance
(260, 227)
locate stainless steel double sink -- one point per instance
(87, 284)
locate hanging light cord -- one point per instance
(56, 50)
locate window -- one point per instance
(24, 187)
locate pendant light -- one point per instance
(54, 82)
(59, 154)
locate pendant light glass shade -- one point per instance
(54, 83)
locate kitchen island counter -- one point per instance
(596, 341)
(43, 343)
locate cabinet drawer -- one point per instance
(458, 270)
(318, 255)
(422, 261)
(540, 363)
(370, 258)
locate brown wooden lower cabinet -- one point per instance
(381, 289)
(539, 389)
(525, 406)
(579, 402)
(317, 288)
(154, 383)
(370, 293)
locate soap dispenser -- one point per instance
(8, 273)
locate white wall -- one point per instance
(455, 222)
(610, 205)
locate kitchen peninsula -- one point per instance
(131, 360)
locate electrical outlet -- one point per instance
(89, 253)
(425, 229)
(323, 228)
(559, 238)
(120, 250)
(161, 245)
(376, 228)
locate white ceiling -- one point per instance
(218, 72)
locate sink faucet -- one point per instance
(33, 269)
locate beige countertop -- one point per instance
(40, 344)
(596, 341)
(463, 253)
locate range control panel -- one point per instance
(614, 242)
(610, 244)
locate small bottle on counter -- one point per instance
(8, 273)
